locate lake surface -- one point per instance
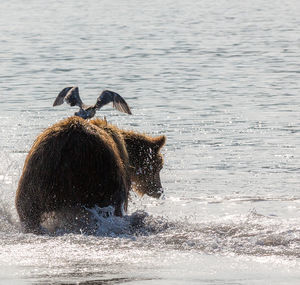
(221, 79)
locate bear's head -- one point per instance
(146, 162)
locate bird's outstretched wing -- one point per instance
(70, 95)
(118, 102)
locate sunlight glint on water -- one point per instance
(220, 79)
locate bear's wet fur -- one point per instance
(77, 162)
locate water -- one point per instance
(220, 79)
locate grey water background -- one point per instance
(220, 79)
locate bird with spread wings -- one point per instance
(71, 96)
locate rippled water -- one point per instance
(220, 79)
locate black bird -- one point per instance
(71, 96)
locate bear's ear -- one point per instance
(158, 142)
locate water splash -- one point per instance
(253, 234)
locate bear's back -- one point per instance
(74, 162)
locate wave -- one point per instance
(241, 198)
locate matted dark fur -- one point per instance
(77, 162)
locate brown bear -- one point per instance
(77, 162)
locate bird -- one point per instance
(71, 96)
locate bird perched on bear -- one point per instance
(77, 162)
(71, 96)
